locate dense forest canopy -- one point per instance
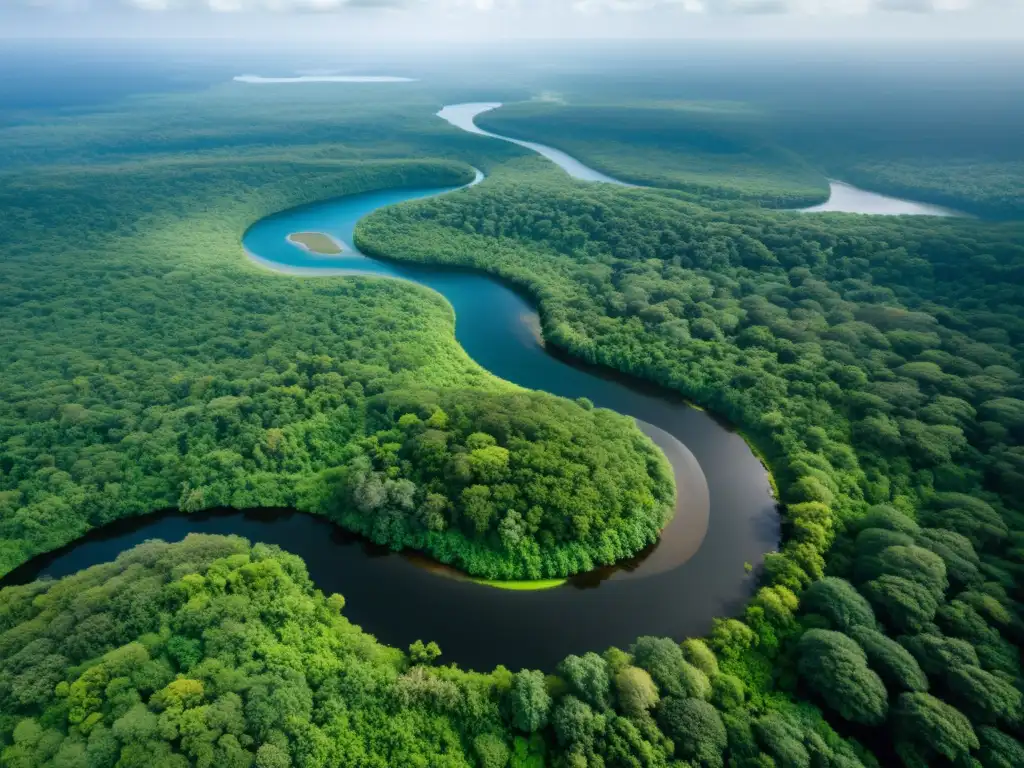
(506, 486)
(700, 148)
(779, 151)
(875, 363)
(156, 368)
(212, 652)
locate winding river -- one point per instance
(726, 517)
(843, 197)
(464, 115)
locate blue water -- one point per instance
(726, 515)
(681, 590)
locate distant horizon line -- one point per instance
(490, 41)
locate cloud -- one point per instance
(820, 8)
(938, 6)
(261, 80)
(756, 7)
(809, 8)
(912, 6)
(217, 6)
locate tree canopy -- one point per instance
(874, 363)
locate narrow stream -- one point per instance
(464, 115)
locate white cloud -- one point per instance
(370, 23)
(478, 20)
(913, 6)
(218, 6)
(838, 7)
(590, 7)
(261, 80)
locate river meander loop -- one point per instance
(726, 517)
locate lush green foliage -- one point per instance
(777, 147)
(700, 148)
(226, 123)
(877, 365)
(156, 368)
(214, 653)
(505, 485)
(976, 185)
(836, 668)
(957, 146)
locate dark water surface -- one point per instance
(478, 626)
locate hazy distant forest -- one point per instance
(875, 362)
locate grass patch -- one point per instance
(521, 586)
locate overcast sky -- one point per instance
(449, 19)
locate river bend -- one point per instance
(726, 517)
(843, 197)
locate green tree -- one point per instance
(696, 729)
(635, 691)
(841, 605)
(576, 724)
(491, 751)
(420, 653)
(697, 653)
(904, 605)
(985, 696)
(893, 663)
(728, 692)
(272, 756)
(934, 727)
(529, 701)
(782, 740)
(999, 750)
(664, 661)
(835, 667)
(588, 679)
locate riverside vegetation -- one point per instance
(875, 363)
(934, 131)
(345, 397)
(701, 150)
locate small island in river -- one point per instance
(317, 243)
